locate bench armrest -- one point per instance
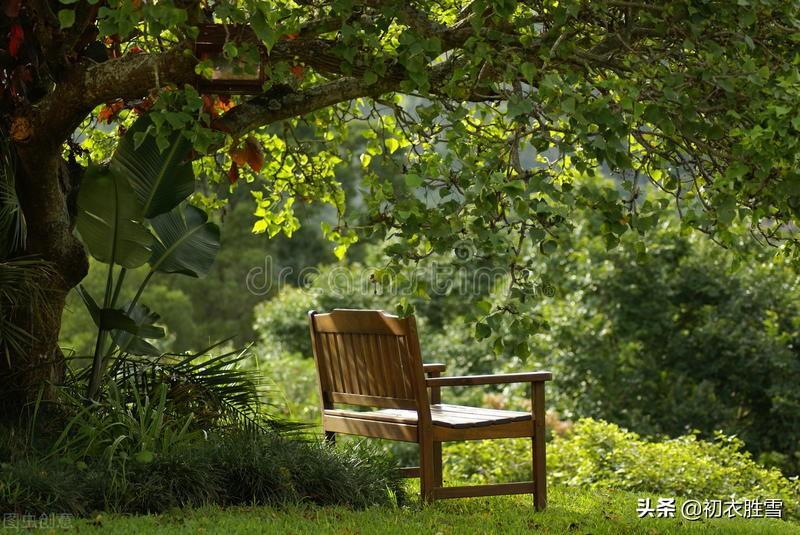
(434, 367)
(500, 378)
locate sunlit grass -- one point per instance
(570, 511)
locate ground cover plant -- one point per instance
(226, 469)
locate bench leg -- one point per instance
(538, 448)
(437, 464)
(426, 468)
(330, 437)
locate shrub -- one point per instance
(597, 454)
(179, 432)
(31, 486)
(282, 321)
(268, 469)
(687, 336)
(226, 469)
(282, 324)
(182, 476)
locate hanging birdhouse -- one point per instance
(230, 49)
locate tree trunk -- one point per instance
(46, 185)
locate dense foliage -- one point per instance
(600, 455)
(685, 337)
(228, 469)
(689, 336)
(492, 115)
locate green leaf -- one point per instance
(161, 180)
(264, 30)
(392, 145)
(139, 323)
(66, 18)
(135, 343)
(548, 246)
(519, 106)
(185, 242)
(108, 219)
(370, 78)
(528, 70)
(482, 331)
(413, 180)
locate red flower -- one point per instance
(298, 71)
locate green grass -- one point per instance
(570, 511)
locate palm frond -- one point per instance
(22, 289)
(218, 389)
(13, 227)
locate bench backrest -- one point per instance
(369, 358)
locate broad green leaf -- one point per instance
(145, 320)
(108, 219)
(185, 242)
(160, 179)
(139, 323)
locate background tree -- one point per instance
(515, 104)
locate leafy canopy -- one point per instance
(494, 116)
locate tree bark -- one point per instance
(44, 184)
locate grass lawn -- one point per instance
(570, 511)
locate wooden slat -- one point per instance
(381, 385)
(459, 420)
(409, 471)
(391, 416)
(366, 369)
(510, 430)
(464, 409)
(333, 358)
(373, 401)
(348, 370)
(391, 366)
(441, 417)
(333, 368)
(472, 491)
(355, 360)
(406, 365)
(370, 428)
(322, 363)
(500, 378)
(359, 321)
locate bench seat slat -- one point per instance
(445, 415)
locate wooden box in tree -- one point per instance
(237, 75)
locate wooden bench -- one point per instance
(368, 358)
